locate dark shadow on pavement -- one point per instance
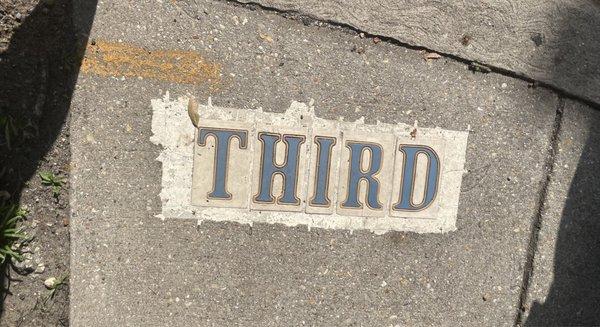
(574, 296)
(38, 72)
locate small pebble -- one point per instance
(50, 282)
(40, 268)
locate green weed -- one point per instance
(9, 232)
(49, 179)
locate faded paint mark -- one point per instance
(106, 58)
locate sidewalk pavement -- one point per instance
(129, 268)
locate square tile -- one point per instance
(222, 155)
(326, 143)
(364, 189)
(272, 188)
(419, 165)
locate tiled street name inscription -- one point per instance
(281, 157)
(308, 169)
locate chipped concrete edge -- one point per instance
(173, 130)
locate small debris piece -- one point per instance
(24, 267)
(50, 283)
(466, 40)
(193, 111)
(429, 56)
(413, 133)
(479, 68)
(485, 297)
(357, 49)
(40, 269)
(266, 37)
(376, 40)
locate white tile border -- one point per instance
(174, 131)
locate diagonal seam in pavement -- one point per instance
(536, 222)
(473, 65)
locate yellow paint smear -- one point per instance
(119, 59)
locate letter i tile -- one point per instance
(324, 169)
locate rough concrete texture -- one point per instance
(552, 42)
(564, 287)
(130, 268)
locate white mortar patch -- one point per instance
(174, 131)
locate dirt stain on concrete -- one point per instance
(107, 58)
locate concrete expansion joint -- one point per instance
(474, 66)
(536, 223)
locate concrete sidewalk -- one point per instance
(550, 42)
(130, 268)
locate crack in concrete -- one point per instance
(536, 223)
(308, 19)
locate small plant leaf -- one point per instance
(46, 176)
(10, 233)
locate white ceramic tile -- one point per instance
(383, 176)
(437, 147)
(277, 198)
(237, 172)
(323, 177)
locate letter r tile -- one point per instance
(222, 157)
(365, 174)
